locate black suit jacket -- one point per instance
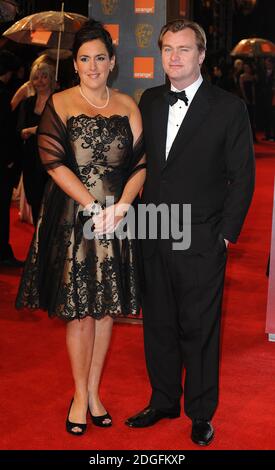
(210, 165)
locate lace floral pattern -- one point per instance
(99, 132)
(66, 274)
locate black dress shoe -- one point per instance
(150, 416)
(12, 263)
(202, 432)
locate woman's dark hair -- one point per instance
(91, 30)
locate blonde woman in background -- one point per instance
(26, 90)
(42, 80)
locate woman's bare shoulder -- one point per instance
(62, 102)
(125, 101)
(123, 97)
(64, 97)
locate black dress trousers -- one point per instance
(182, 312)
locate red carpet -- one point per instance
(35, 373)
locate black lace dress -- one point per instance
(67, 274)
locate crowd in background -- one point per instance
(254, 82)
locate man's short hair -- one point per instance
(181, 24)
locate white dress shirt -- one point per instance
(178, 111)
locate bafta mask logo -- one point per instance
(138, 94)
(144, 34)
(109, 6)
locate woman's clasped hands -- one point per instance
(108, 219)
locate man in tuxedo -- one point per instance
(199, 152)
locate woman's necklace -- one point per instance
(92, 104)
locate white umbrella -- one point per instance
(52, 29)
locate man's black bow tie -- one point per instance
(174, 96)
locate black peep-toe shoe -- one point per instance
(99, 420)
(70, 426)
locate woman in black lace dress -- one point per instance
(90, 143)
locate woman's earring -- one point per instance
(76, 71)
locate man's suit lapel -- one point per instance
(160, 113)
(196, 114)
